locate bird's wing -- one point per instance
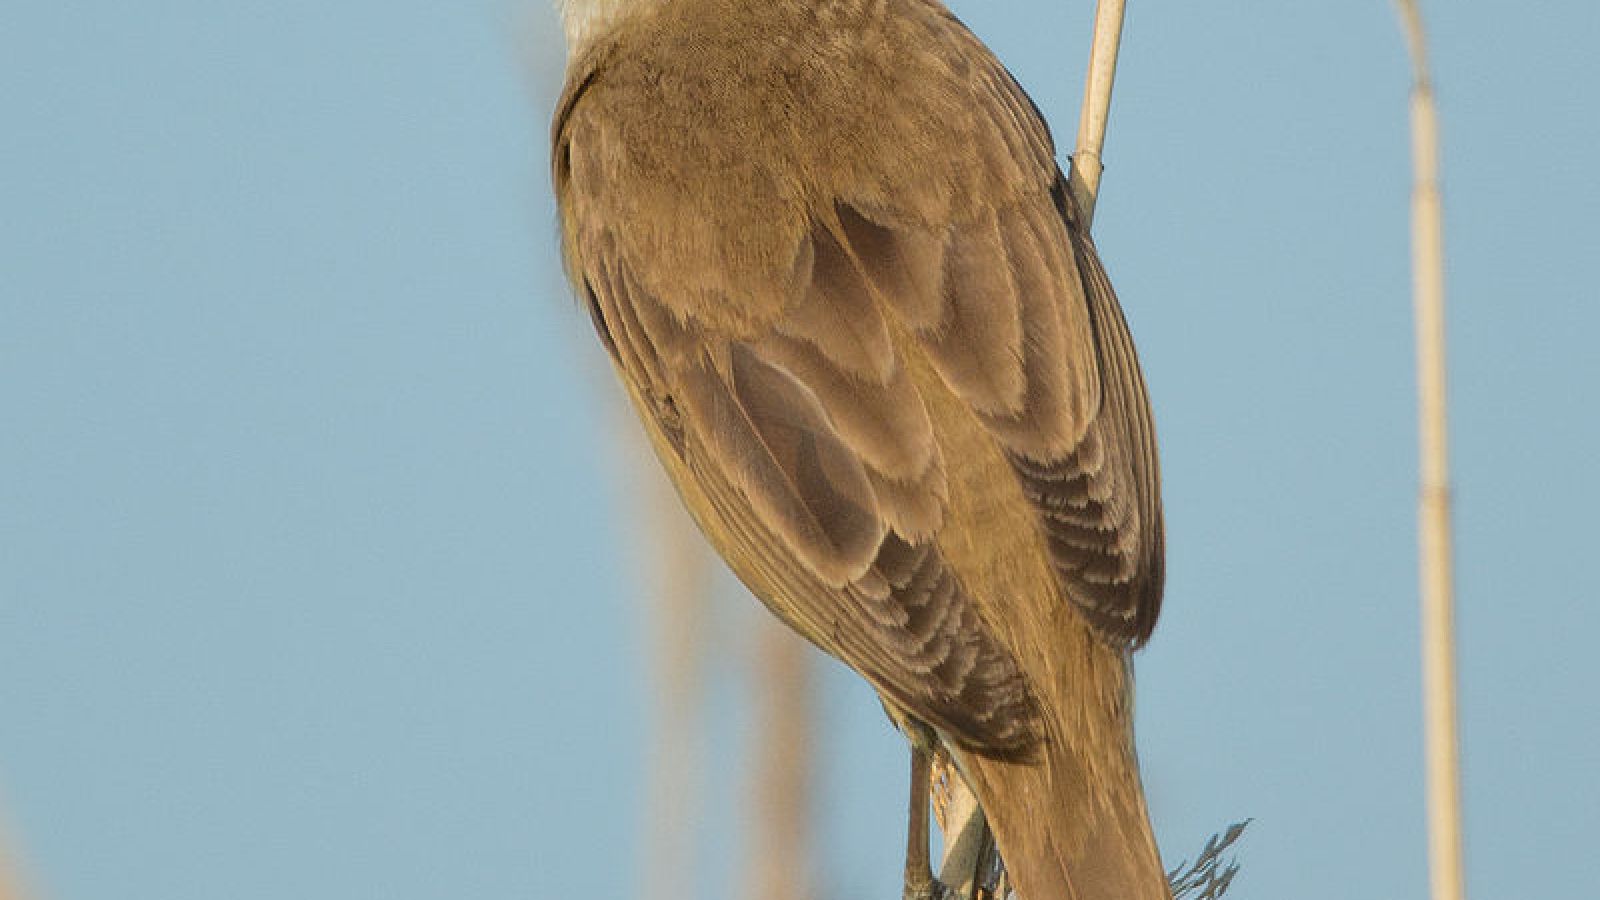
(1020, 321)
(817, 475)
(765, 367)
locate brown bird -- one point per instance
(831, 254)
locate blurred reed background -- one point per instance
(689, 623)
(10, 866)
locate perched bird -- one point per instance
(830, 252)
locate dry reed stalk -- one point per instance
(782, 777)
(675, 573)
(1438, 615)
(1086, 160)
(10, 870)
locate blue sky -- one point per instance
(311, 578)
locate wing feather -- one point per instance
(767, 364)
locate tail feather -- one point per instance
(1063, 837)
(1071, 820)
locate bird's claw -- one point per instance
(927, 888)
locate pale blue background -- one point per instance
(310, 584)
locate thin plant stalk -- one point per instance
(1438, 616)
(783, 765)
(674, 570)
(10, 869)
(1087, 164)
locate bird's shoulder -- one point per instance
(716, 135)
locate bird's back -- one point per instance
(830, 251)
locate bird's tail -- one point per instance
(1071, 821)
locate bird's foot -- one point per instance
(926, 887)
